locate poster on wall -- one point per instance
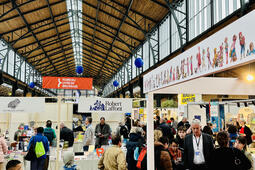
(105, 105)
(214, 108)
(230, 47)
(215, 123)
(22, 105)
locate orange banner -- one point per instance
(67, 83)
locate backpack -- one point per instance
(39, 149)
(142, 158)
(48, 132)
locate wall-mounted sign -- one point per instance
(105, 105)
(67, 83)
(22, 104)
(230, 47)
(186, 98)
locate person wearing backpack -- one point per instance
(41, 147)
(49, 132)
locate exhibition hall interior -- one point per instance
(127, 85)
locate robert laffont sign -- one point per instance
(104, 105)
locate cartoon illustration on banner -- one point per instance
(209, 56)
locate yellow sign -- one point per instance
(186, 98)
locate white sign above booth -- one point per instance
(230, 47)
(103, 105)
(22, 104)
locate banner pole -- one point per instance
(58, 135)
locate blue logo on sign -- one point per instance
(98, 106)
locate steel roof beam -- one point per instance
(55, 41)
(87, 33)
(134, 11)
(39, 32)
(94, 29)
(95, 59)
(98, 66)
(101, 45)
(122, 21)
(29, 29)
(121, 41)
(31, 11)
(59, 58)
(101, 52)
(55, 25)
(130, 36)
(35, 23)
(24, 46)
(58, 61)
(50, 51)
(107, 13)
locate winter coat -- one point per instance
(163, 162)
(135, 140)
(40, 138)
(67, 135)
(113, 159)
(106, 132)
(3, 149)
(88, 136)
(224, 158)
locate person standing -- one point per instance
(51, 135)
(66, 134)
(162, 155)
(49, 132)
(197, 148)
(245, 131)
(242, 146)
(173, 123)
(14, 165)
(181, 133)
(38, 163)
(224, 157)
(88, 135)
(102, 133)
(113, 158)
(166, 130)
(184, 122)
(3, 150)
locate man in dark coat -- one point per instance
(102, 132)
(66, 134)
(197, 148)
(166, 130)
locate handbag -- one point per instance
(31, 153)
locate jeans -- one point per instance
(37, 164)
(85, 148)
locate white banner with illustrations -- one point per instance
(104, 105)
(22, 104)
(230, 47)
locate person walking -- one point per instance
(49, 132)
(102, 133)
(41, 142)
(3, 150)
(224, 157)
(88, 135)
(162, 156)
(66, 134)
(166, 130)
(184, 122)
(113, 158)
(197, 148)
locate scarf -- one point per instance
(175, 154)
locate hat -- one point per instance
(68, 159)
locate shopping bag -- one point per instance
(31, 153)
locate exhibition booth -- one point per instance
(187, 73)
(19, 116)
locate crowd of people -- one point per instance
(178, 146)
